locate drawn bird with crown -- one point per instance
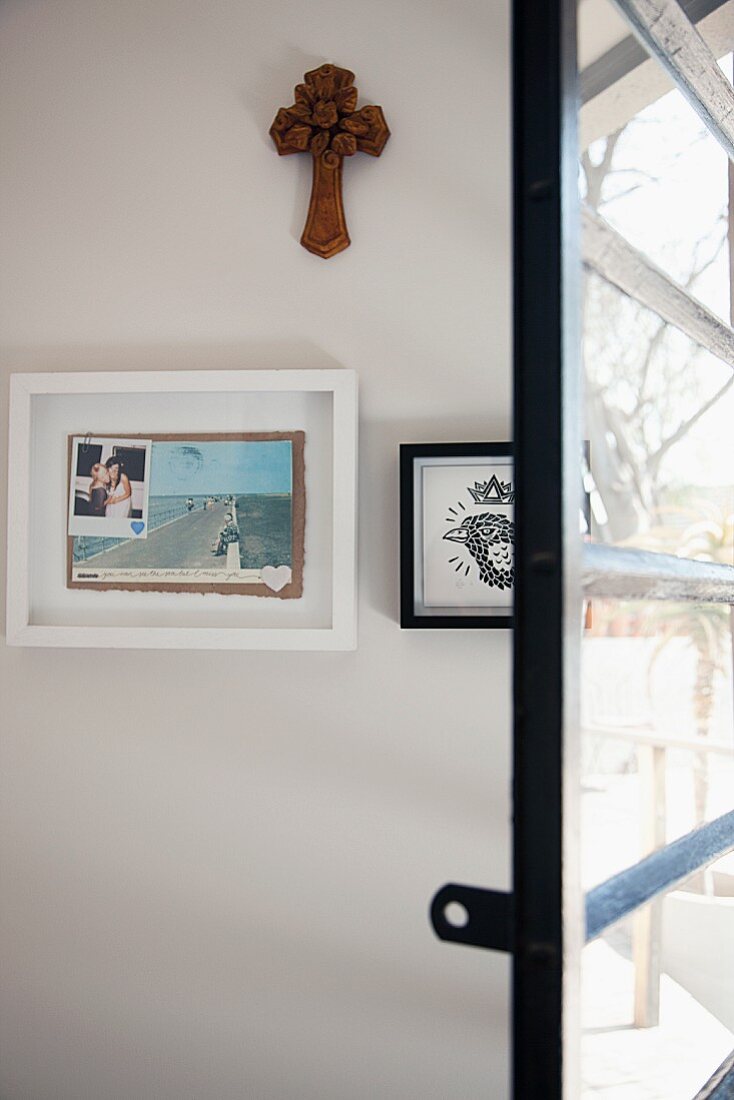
(490, 536)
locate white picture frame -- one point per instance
(46, 408)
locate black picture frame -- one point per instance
(412, 615)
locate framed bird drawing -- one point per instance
(457, 542)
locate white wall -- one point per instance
(221, 890)
(697, 950)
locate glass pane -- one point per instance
(657, 688)
(658, 417)
(662, 182)
(658, 407)
(657, 741)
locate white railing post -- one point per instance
(233, 548)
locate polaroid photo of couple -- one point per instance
(108, 487)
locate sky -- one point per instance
(209, 469)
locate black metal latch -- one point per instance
(473, 916)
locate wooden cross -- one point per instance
(325, 121)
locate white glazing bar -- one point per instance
(668, 34)
(607, 253)
(616, 573)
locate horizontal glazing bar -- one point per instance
(606, 252)
(623, 574)
(666, 31)
(656, 873)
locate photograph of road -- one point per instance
(225, 514)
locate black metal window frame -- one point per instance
(545, 921)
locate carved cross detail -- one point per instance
(324, 121)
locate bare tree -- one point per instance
(641, 373)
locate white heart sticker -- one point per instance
(276, 578)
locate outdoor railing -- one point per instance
(89, 546)
(651, 750)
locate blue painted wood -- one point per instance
(660, 871)
(721, 1085)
